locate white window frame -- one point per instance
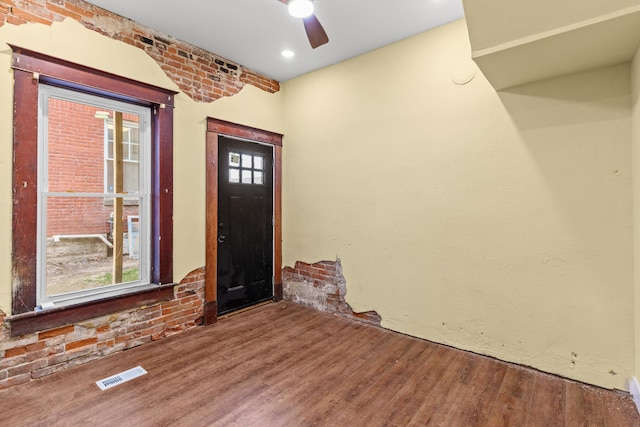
(143, 195)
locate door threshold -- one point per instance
(242, 310)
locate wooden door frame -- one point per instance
(215, 129)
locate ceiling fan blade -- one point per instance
(315, 32)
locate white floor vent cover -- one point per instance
(120, 378)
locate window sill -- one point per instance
(126, 202)
(35, 321)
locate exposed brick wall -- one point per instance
(323, 287)
(202, 75)
(36, 355)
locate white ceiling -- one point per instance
(252, 33)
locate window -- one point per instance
(65, 152)
(83, 226)
(130, 152)
(246, 168)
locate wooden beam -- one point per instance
(211, 275)
(277, 227)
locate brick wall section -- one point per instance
(322, 286)
(36, 355)
(200, 74)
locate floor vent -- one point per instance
(120, 378)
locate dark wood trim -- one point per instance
(162, 197)
(216, 128)
(210, 312)
(29, 69)
(52, 70)
(278, 293)
(240, 131)
(25, 191)
(35, 321)
(277, 213)
(211, 266)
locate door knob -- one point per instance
(222, 238)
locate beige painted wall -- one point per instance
(495, 222)
(523, 18)
(69, 40)
(635, 132)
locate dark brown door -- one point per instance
(245, 224)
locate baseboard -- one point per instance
(634, 389)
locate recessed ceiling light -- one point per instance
(287, 53)
(300, 8)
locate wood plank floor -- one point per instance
(286, 365)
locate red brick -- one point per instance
(36, 346)
(13, 352)
(190, 298)
(103, 328)
(55, 332)
(35, 355)
(81, 343)
(106, 344)
(87, 13)
(167, 311)
(13, 361)
(169, 304)
(138, 341)
(15, 20)
(48, 370)
(124, 338)
(62, 11)
(27, 367)
(30, 17)
(74, 354)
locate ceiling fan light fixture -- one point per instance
(300, 8)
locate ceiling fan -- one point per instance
(304, 9)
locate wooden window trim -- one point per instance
(29, 69)
(216, 128)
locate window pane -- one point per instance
(75, 147)
(110, 140)
(246, 161)
(130, 155)
(258, 162)
(234, 175)
(79, 233)
(234, 159)
(110, 148)
(246, 176)
(130, 176)
(258, 177)
(134, 148)
(134, 135)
